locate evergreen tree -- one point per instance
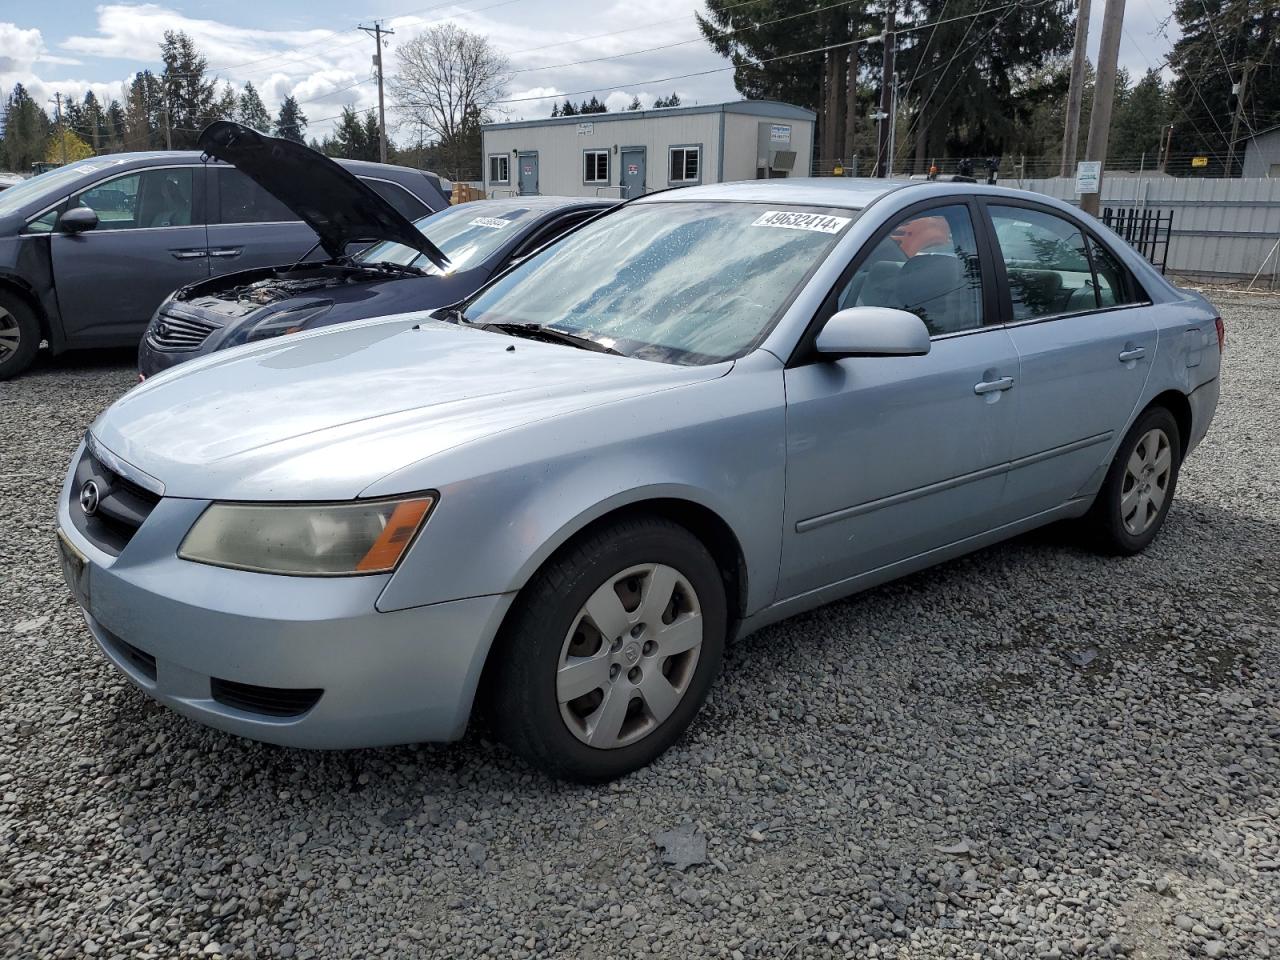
(635, 104)
(251, 111)
(671, 101)
(291, 123)
(1138, 124)
(191, 97)
(568, 109)
(1219, 39)
(143, 127)
(354, 138)
(592, 106)
(26, 128)
(114, 122)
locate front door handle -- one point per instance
(1132, 353)
(193, 253)
(226, 251)
(991, 386)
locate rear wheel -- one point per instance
(19, 335)
(610, 652)
(1138, 490)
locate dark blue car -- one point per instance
(88, 251)
(436, 261)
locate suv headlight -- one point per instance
(308, 539)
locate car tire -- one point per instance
(19, 335)
(595, 675)
(1139, 486)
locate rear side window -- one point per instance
(406, 204)
(1116, 285)
(1046, 262)
(240, 200)
(927, 265)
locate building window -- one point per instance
(685, 164)
(595, 166)
(499, 168)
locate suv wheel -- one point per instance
(610, 652)
(19, 336)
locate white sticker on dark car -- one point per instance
(818, 222)
(493, 223)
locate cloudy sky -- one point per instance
(315, 52)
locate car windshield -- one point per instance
(679, 282)
(53, 183)
(468, 234)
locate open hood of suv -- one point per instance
(331, 200)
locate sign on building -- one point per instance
(1088, 176)
(1199, 161)
(780, 133)
(585, 129)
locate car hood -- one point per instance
(319, 416)
(330, 199)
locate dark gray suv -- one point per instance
(89, 250)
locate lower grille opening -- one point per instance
(140, 660)
(269, 701)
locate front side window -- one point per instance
(674, 282)
(240, 200)
(1116, 286)
(927, 265)
(150, 198)
(1046, 263)
(499, 168)
(49, 186)
(685, 164)
(595, 166)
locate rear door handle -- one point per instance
(991, 386)
(226, 251)
(1132, 353)
(191, 253)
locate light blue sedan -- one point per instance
(706, 411)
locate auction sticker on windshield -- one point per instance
(493, 223)
(790, 220)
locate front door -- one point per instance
(891, 457)
(1085, 346)
(150, 240)
(632, 172)
(528, 173)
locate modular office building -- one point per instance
(634, 152)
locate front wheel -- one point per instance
(610, 652)
(19, 336)
(1138, 489)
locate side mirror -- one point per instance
(873, 332)
(78, 220)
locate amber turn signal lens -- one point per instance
(396, 536)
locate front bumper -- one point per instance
(185, 632)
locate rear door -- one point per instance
(249, 228)
(1085, 335)
(150, 240)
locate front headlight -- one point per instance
(292, 320)
(309, 539)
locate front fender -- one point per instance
(508, 502)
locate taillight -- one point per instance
(1222, 334)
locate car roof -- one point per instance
(852, 192)
(542, 202)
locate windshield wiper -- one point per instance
(393, 267)
(534, 331)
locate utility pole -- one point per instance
(1104, 92)
(1237, 90)
(377, 32)
(62, 133)
(885, 112)
(1075, 92)
(1166, 142)
(893, 127)
(168, 125)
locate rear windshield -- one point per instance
(468, 234)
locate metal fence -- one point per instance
(1147, 230)
(1221, 229)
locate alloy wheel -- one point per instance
(10, 334)
(629, 656)
(1146, 481)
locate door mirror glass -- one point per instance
(873, 332)
(78, 220)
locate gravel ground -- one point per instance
(1031, 752)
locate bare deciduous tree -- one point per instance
(447, 82)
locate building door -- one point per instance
(632, 172)
(528, 174)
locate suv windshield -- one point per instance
(679, 282)
(52, 183)
(467, 233)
